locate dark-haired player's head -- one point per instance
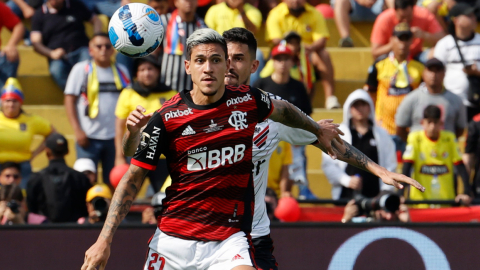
(160, 6)
(10, 174)
(404, 10)
(101, 49)
(432, 121)
(207, 61)
(242, 49)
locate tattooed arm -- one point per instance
(97, 255)
(289, 115)
(351, 155)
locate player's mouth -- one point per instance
(209, 80)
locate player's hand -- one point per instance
(82, 139)
(329, 132)
(97, 256)
(355, 182)
(394, 179)
(137, 119)
(463, 199)
(57, 53)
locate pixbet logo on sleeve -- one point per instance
(178, 113)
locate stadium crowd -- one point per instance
(421, 96)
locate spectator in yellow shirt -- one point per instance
(233, 13)
(17, 129)
(237, 13)
(433, 154)
(148, 94)
(278, 179)
(301, 17)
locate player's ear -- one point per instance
(187, 67)
(254, 67)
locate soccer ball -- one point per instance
(136, 30)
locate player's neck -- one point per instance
(199, 98)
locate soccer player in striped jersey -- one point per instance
(206, 134)
(267, 135)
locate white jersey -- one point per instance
(265, 141)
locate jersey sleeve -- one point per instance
(264, 104)
(320, 29)
(410, 151)
(152, 144)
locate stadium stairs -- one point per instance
(44, 98)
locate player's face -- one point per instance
(10, 176)
(160, 7)
(432, 127)
(208, 67)
(241, 64)
(101, 49)
(360, 110)
(282, 64)
(147, 74)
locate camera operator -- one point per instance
(11, 205)
(386, 207)
(98, 201)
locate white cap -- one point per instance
(85, 164)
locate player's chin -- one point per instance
(210, 90)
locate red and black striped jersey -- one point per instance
(209, 155)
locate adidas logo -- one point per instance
(188, 131)
(237, 257)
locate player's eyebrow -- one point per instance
(238, 54)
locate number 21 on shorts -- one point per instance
(155, 262)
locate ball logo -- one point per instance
(152, 15)
(198, 161)
(238, 120)
(346, 255)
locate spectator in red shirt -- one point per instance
(423, 25)
(9, 53)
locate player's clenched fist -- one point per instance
(96, 256)
(137, 119)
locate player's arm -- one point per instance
(289, 115)
(351, 155)
(98, 254)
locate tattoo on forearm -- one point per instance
(294, 117)
(122, 200)
(349, 154)
(130, 142)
